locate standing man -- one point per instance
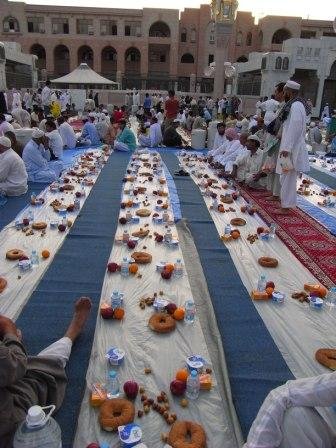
(46, 98)
(293, 155)
(172, 107)
(325, 112)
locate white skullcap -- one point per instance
(105, 111)
(253, 137)
(176, 120)
(4, 141)
(8, 117)
(293, 85)
(312, 124)
(37, 133)
(92, 114)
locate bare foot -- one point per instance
(82, 311)
(283, 211)
(272, 198)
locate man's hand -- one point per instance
(7, 326)
(284, 153)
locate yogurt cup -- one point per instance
(158, 219)
(24, 265)
(316, 303)
(160, 304)
(115, 356)
(129, 435)
(160, 266)
(135, 220)
(196, 362)
(278, 297)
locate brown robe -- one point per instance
(24, 382)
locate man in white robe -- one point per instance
(13, 174)
(220, 139)
(232, 147)
(16, 99)
(269, 107)
(67, 133)
(54, 142)
(250, 164)
(155, 135)
(5, 126)
(22, 117)
(293, 154)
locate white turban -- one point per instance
(37, 133)
(4, 141)
(293, 85)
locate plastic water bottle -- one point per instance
(64, 218)
(77, 204)
(193, 385)
(34, 258)
(190, 312)
(30, 215)
(83, 192)
(178, 269)
(272, 230)
(38, 430)
(168, 235)
(116, 300)
(124, 270)
(3, 199)
(227, 229)
(33, 197)
(262, 283)
(331, 297)
(112, 385)
(126, 236)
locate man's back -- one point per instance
(172, 108)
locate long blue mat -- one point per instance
(78, 269)
(254, 362)
(322, 177)
(15, 204)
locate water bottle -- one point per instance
(126, 236)
(331, 297)
(115, 300)
(33, 197)
(34, 258)
(178, 269)
(76, 204)
(30, 215)
(3, 199)
(64, 218)
(262, 283)
(83, 192)
(124, 270)
(168, 235)
(193, 385)
(38, 430)
(112, 385)
(272, 230)
(190, 312)
(128, 216)
(227, 230)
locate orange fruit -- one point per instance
(133, 268)
(235, 234)
(169, 268)
(179, 314)
(45, 253)
(118, 313)
(269, 291)
(182, 375)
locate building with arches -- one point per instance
(144, 48)
(17, 69)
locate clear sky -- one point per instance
(315, 9)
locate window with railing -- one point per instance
(11, 25)
(85, 26)
(133, 29)
(36, 25)
(108, 28)
(59, 25)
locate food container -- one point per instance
(158, 219)
(53, 224)
(160, 304)
(129, 435)
(316, 303)
(160, 266)
(115, 356)
(135, 220)
(24, 265)
(173, 244)
(135, 239)
(264, 236)
(278, 297)
(196, 362)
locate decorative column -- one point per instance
(224, 14)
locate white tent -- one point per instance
(83, 74)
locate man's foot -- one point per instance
(82, 311)
(272, 198)
(283, 211)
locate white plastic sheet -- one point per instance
(164, 354)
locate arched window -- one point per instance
(10, 25)
(280, 36)
(249, 39)
(285, 63)
(132, 55)
(85, 54)
(187, 58)
(184, 35)
(109, 54)
(39, 51)
(193, 35)
(242, 59)
(159, 29)
(61, 59)
(239, 39)
(278, 63)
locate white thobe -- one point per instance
(28, 100)
(22, 117)
(219, 141)
(39, 169)
(68, 135)
(155, 136)
(270, 107)
(251, 165)
(64, 101)
(232, 149)
(46, 96)
(325, 112)
(293, 141)
(16, 101)
(13, 174)
(160, 117)
(4, 127)
(102, 128)
(55, 143)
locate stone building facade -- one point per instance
(146, 48)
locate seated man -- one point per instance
(16, 145)
(37, 160)
(251, 165)
(125, 141)
(22, 117)
(288, 418)
(199, 122)
(4, 124)
(228, 151)
(55, 142)
(171, 137)
(155, 135)
(314, 137)
(25, 380)
(220, 139)
(89, 132)
(13, 174)
(112, 132)
(67, 133)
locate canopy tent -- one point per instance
(83, 74)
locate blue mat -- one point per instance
(321, 216)
(254, 362)
(322, 177)
(78, 269)
(15, 204)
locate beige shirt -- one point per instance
(13, 174)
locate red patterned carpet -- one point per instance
(311, 243)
